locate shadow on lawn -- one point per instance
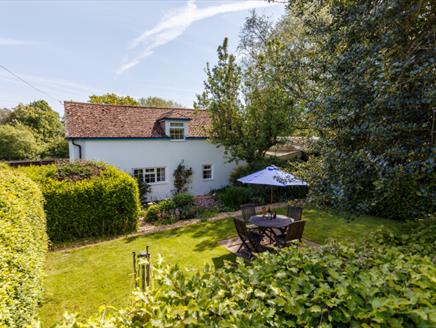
(218, 261)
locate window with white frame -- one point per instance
(207, 172)
(177, 130)
(150, 175)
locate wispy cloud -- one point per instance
(15, 42)
(175, 23)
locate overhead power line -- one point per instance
(29, 84)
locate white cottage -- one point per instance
(148, 143)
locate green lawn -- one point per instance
(83, 279)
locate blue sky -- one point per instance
(72, 49)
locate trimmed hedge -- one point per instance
(86, 199)
(23, 246)
(374, 284)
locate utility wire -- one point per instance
(30, 85)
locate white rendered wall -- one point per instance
(129, 154)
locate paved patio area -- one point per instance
(233, 244)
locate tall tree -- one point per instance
(158, 102)
(375, 115)
(46, 127)
(17, 142)
(113, 99)
(40, 118)
(249, 107)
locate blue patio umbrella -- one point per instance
(272, 176)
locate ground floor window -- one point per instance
(150, 175)
(207, 172)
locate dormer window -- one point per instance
(177, 130)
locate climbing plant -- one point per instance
(182, 177)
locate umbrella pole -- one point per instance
(271, 196)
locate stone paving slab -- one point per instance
(233, 244)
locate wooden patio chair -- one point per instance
(248, 210)
(293, 232)
(295, 212)
(249, 239)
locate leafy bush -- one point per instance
(78, 170)
(234, 196)
(23, 246)
(17, 142)
(181, 206)
(183, 200)
(152, 213)
(337, 285)
(84, 199)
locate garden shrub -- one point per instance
(234, 196)
(152, 213)
(86, 199)
(337, 285)
(181, 206)
(185, 206)
(23, 246)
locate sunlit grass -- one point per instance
(80, 280)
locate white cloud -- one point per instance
(175, 23)
(14, 42)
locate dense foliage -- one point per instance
(114, 99)
(159, 102)
(17, 142)
(86, 200)
(180, 207)
(23, 245)
(375, 62)
(39, 133)
(249, 106)
(338, 285)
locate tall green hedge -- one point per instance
(388, 281)
(23, 246)
(86, 200)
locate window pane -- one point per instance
(207, 171)
(160, 174)
(177, 124)
(177, 133)
(138, 174)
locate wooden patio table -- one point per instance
(267, 225)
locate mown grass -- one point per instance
(82, 279)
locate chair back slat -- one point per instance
(241, 228)
(248, 210)
(295, 230)
(295, 212)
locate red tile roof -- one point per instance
(84, 120)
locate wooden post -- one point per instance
(148, 266)
(143, 277)
(134, 269)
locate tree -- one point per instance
(113, 99)
(17, 142)
(375, 114)
(249, 106)
(158, 102)
(40, 118)
(4, 113)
